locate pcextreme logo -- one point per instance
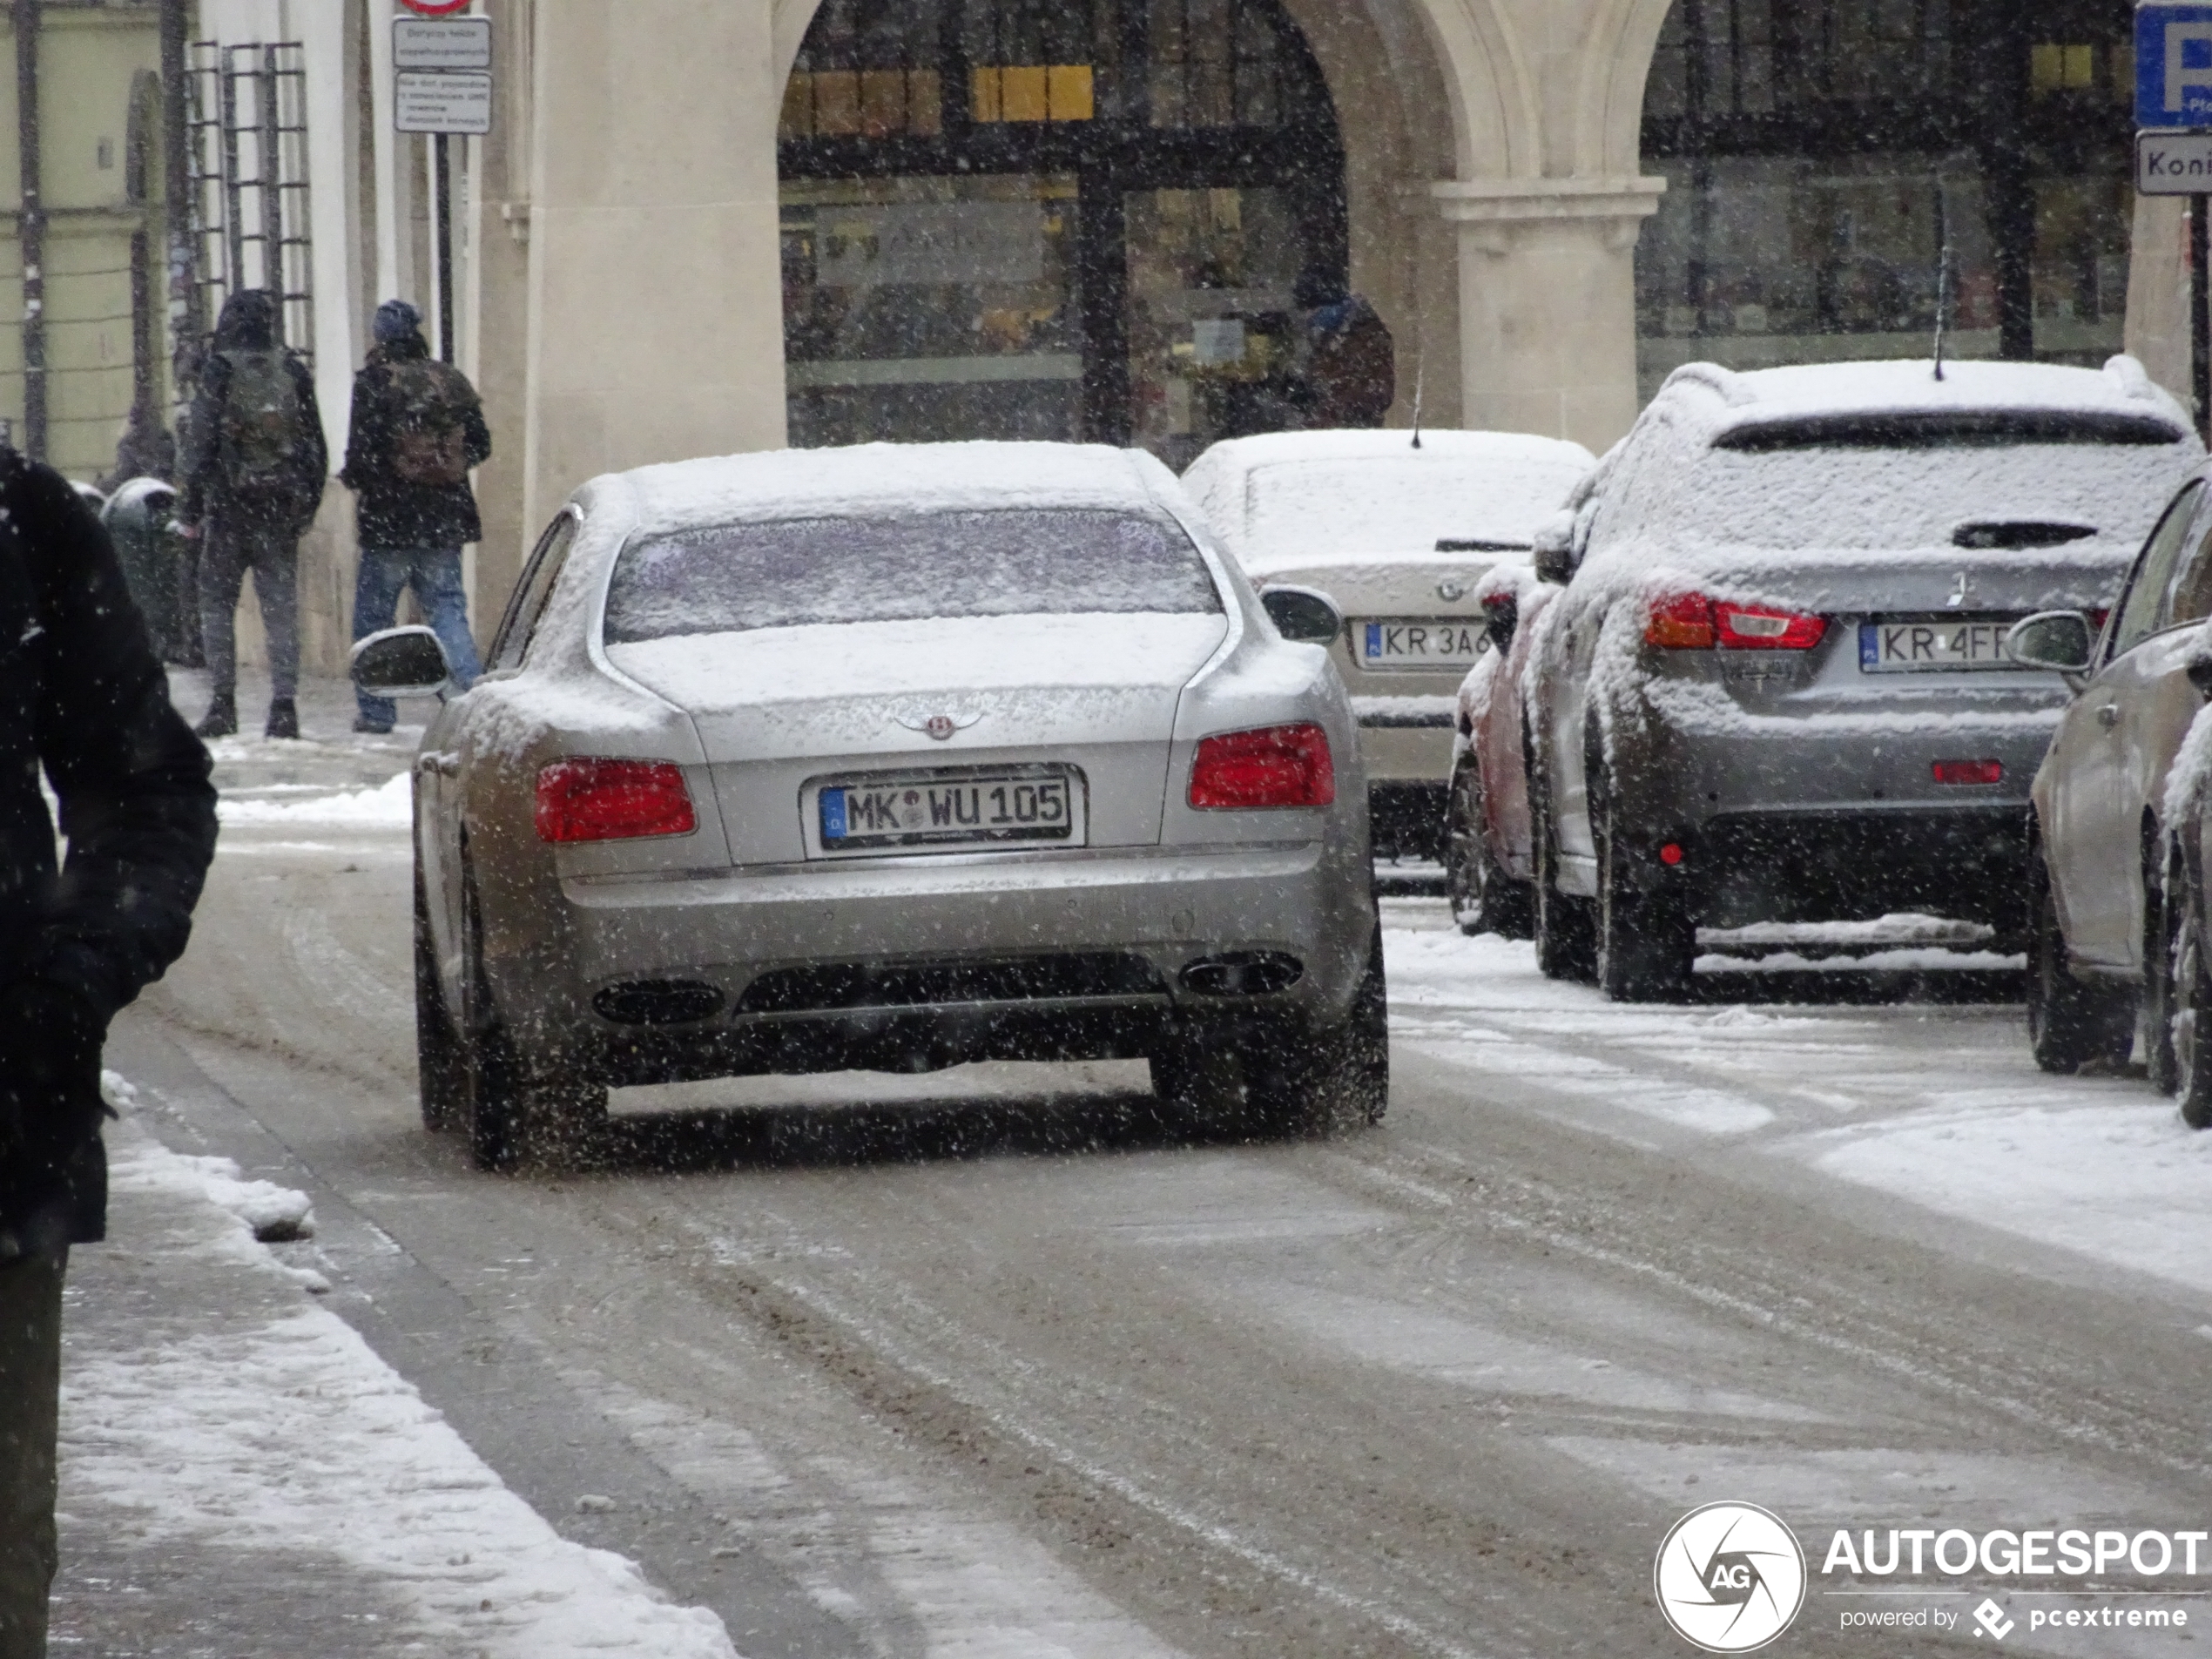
(1730, 1577)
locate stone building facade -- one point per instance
(708, 226)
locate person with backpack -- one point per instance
(1350, 362)
(254, 464)
(417, 431)
(84, 711)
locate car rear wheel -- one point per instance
(2162, 913)
(437, 1045)
(2069, 1024)
(2191, 1027)
(1647, 941)
(1485, 900)
(518, 1110)
(1286, 1085)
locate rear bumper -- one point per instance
(1403, 741)
(905, 964)
(1814, 864)
(1831, 813)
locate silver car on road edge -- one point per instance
(890, 758)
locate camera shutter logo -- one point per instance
(1730, 1577)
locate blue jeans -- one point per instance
(434, 574)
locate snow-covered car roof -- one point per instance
(1297, 495)
(886, 479)
(1805, 400)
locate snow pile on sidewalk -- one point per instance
(391, 805)
(288, 1433)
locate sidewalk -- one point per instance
(243, 1478)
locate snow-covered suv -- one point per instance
(1776, 687)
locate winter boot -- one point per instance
(284, 718)
(221, 718)
(374, 728)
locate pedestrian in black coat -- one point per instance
(417, 431)
(254, 466)
(84, 700)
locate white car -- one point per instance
(1396, 535)
(892, 758)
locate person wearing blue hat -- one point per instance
(417, 431)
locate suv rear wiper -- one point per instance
(2013, 534)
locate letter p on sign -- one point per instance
(2174, 65)
(2181, 73)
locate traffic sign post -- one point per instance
(2174, 148)
(442, 86)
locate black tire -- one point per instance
(2069, 1024)
(1485, 900)
(438, 1063)
(1647, 940)
(2191, 1027)
(1286, 1085)
(515, 1111)
(1565, 925)
(2162, 912)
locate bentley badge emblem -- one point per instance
(939, 726)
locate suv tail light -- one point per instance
(1277, 765)
(612, 800)
(1692, 621)
(1970, 772)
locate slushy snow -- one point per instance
(297, 1438)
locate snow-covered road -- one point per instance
(991, 1363)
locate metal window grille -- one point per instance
(248, 166)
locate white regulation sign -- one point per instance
(442, 101)
(2174, 164)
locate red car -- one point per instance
(1489, 860)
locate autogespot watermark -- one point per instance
(1732, 1577)
(1729, 1578)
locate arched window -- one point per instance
(1014, 219)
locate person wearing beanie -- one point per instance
(417, 431)
(254, 464)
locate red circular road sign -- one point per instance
(435, 8)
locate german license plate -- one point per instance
(1926, 643)
(1437, 642)
(971, 809)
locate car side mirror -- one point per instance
(1302, 616)
(401, 662)
(1501, 613)
(1554, 549)
(2059, 640)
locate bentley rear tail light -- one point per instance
(612, 800)
(1277, 765)
(1692, 621)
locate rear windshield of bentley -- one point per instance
(789, 573)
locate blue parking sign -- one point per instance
(2173, 66)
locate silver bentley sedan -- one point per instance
(889, 757)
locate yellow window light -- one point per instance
(1069, 94)
(1033, 93)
